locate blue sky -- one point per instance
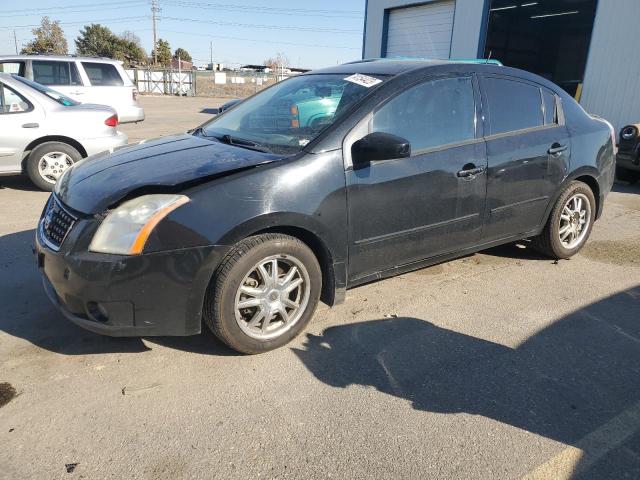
(310, 33)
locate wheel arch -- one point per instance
(586, 175)
(320, 250)
(321, 239)
(51, 138)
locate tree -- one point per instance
(49, 39)
(98, 41)
(278, 62)
(182, 54)
(129, 36)
(164, 53)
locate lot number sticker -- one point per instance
(364, 80)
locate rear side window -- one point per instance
(550, 108)
(55, 73)
(434, 113)
(512, 105)
(102, 74)
(12, 102)
(12, 67)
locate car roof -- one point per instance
(396, 66)
(58, 57)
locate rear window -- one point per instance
(52, 94)
(513, 105)
(12, 67)
(12, 102)
(55, 73)
(102, 74)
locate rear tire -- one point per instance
(251, 309)
(626, 175)
(48, 161)
(569, 224)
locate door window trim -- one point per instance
(446, 146)
(486, 116)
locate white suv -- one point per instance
(85, 79)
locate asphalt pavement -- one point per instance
(499, 365)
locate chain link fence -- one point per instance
(201, 83)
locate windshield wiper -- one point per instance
(244, 143)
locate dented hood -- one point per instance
(98, 182)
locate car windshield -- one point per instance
(289, 115)
(52, 94)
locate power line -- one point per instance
(296, 44)
(268, 27)
(269, 10)
(56, 9)
(83, 22)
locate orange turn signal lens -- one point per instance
(143, 236)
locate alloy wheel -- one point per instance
(574, 221)
(272, 297)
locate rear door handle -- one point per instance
(30, 125)
(470, 170)
(556, 149)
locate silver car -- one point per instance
(42, 132)
(84, 79)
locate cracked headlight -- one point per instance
(126, 229)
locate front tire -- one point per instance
(48, 161)
(264, 293)
(569, 224)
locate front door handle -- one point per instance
(30, 125)
(556, 149)
(470, 170)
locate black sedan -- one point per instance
(249, 221)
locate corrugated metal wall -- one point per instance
(612, 78)
(467, 27)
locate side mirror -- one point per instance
(379, 146)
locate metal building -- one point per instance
(588, 47)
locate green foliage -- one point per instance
(96, 40)
(49, 39)
(182, 54)
(164, 53)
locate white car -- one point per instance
(84, 79)
(43, 133)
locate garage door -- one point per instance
(423, 31)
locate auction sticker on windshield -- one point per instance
(364, 80)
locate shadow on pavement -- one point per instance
(28, 314)
(625, 187)
(562, 383)
(18, 182)
(212, 111)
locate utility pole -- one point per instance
(213, 68)
(154, 11)
(15, 40)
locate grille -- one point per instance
(56, 223)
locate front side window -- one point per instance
(286, 117)
(57, 73)
(512, 105)
(102, 74)
(432, 114)
(12, 102)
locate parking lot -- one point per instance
(503, 364)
